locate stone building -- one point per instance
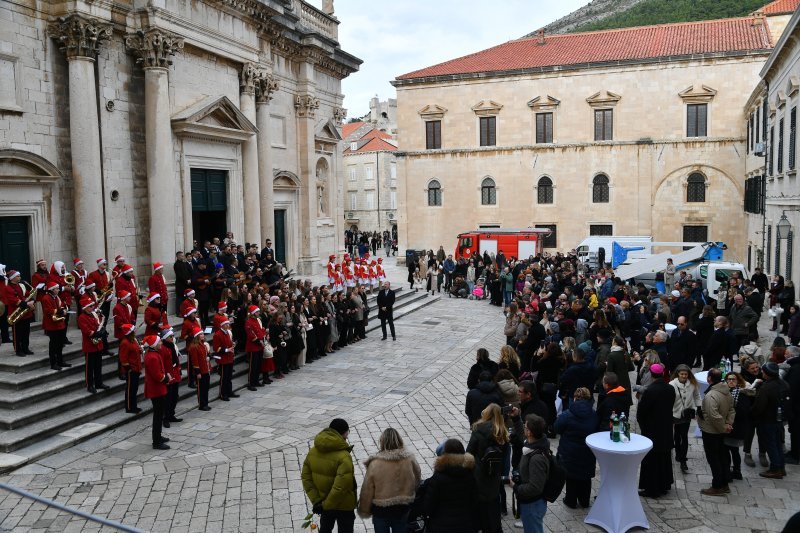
(634, 131)
(134, 127)
(772, 190)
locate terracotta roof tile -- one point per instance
(627, 44)
(373, 145)
(349, 128)
(780, 7)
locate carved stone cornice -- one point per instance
(339, 114)
(266, 84)
(79, 36)
(257, 10)
(248, 78)
(306, 105)
(154, 48)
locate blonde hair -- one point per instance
(509, 356)
(582, 393)
(493, 414)
(390, 440)
(651, 357)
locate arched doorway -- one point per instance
(286, 187)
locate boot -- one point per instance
(762, 459)
(748, 460)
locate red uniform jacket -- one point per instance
(39, 279)
(122, 315)
(154, 320)
(198, 355)
(130, 354)
(172, 363)
(14, 295)
(52, 305)
(188, 325)
(255, 335)
(65, 294)
(217, 321)
(155, 378)
(101, 280)
(80, 278)
(129, 285)
(89, 325)
(223, 347)
(187, 304)
(156, 283)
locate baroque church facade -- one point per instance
(136, 127)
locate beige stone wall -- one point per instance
(381, 186)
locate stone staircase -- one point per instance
(43, 411)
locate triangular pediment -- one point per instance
(329, 132)
(698, 94)
(487, 107)
(543, 103)
(213, 117)
(603, 99)
(432, 112)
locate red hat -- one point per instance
(612, 300)
(40, 262)
(157, 266)
(221, 306)
(152, 296)
(86, 302)
(366, 255)
(127, 269)
(195, 332)
(77, 261)
(121, 295)
(52, 285)
(119, 258)
(380, 260)
(332, 257)
(13, 274)
(189, 312)
(253, 309)
(100, 261)
(346, 256)
(127, 329)
(151, 341)
(225, 322)
(188, 292)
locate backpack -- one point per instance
(492, 461)
(556, 477)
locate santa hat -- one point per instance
(122, 295)
(86, 302)
(157, 266)
(373, 263)
(127, 269)
(332, 257)
(119, 258)
(225, 322)
(101, 261)
(77, 261)
(152, 296)
(253, 309)
(380, 260)
(167, 333)
(52, 285)
(40, 262)
(188, 292)
(127, 329)
(222, 306)
(366, 255)
(190, 312)
(346, 257)
(196, 332)
(12, 274)
(151, 341)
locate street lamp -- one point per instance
(784, 227)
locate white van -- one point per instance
(591, 249)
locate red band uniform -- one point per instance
(16, 295)
(223, 350)
(155, 386)
(254, 345)
(54, 325)
(198, 356)
(172, 365)
(92, 346)
(130, 356)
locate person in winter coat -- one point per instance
(716, 421)
(742, 422)
(509, 360)
(579, 374)
(390, 485)
(786, 298)
(450, 499)
(615, 400)
(328, 478)
(654, 415)
(485, 394)
(482, 364)
(489, 431)
(507, 386)
(530, 404)
(794, 325)
(574, 425)
(703, 329)
(620, 363)
(687, 400)
(534, 468)
(742, 318)
(765, 415)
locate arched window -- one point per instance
(696, 188)
(434, 193)
(600, 189)
(488, 192)
(544, 190)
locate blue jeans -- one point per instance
(390, 525)
(532, 515)
(770, 432)
(507, 297)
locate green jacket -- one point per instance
(507, 281)
(328, 474)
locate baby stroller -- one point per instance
(417, 519)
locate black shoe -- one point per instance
(28, 352)
(224, 399)
(684, 466)
(160, 446)
(394, 338)
(164, 423)
(205, 408)
(65, 365)
(251, 388)
(55, 367)
(383, 338)
(735, 474)
(92, 390)
(67, 341)
(104, 387)
(569, 504)
(192, 386)
(20, 354)
(791, 460)
(164, 439)
(173, 419)
(121, 378)
(233, 395)
(133, 411)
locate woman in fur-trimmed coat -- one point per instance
(390, 484)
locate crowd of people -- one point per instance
(358, 243)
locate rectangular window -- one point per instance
(550, 241)
(369, 200)
(368, 172)
(392, 199)
(601, 229)
(353, 173)
(695, 234)
(488, 131)
(353, 201)
(603, 124)
(780, 146)
(544, 128)
(433, 134)
(696, 120)
(764, 120)
(393, 171)
(771, 152)
(758, 124)
(792, 137)
(750, 134)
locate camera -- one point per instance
(515, 477)
(506, 409)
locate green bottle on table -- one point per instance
(615, 429)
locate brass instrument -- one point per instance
(69, 280)
(105, 294)
(22, 308)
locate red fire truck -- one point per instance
(519, 243)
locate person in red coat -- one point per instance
(157, 283)
(223, 354)
(79, 273)
(130, 356)
(155, 318)
(254, 345)
(57, 272)
(155, 387)
(122, 315)
(16, 295)
(92, 346)
(127, 282)
(172, 364)
(53, 323)
(102, 279)
(188, 301)
(5, 336)
(198, 356)
(39, 279)
(190, 323)
(219, 317)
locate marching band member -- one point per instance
(381, 272)
(57, 273)
(198, 355)
(223, 348)
(172, 363)
(102, 279)
(92, 345)
(122, 313)
(254, 346)
(5, 336)
(219, 317)
(126, 281)
(53, 323)
(39, 279)
(155, 387)
(155, 318)
(79, 273)
(332, 270)
(373, 275)
(157, 283)
(349, 275)
(188, 302)
(190, 323)
(338, 285)
(15, 295)
(130, 357)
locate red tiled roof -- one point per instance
(626, 44)
(349, 128)
(373, 145)
(375, 133)
(780, 7)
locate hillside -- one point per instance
(609, 14)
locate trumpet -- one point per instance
(69, 280)
(22, 308)
(105, 294)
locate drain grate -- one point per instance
(431, 322)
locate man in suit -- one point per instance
(385, 310)
(682, 345)
(267, 249)
(717, 345)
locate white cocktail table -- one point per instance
(617, 507)
(702, 386)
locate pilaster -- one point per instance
(265, 87)
(247, 104)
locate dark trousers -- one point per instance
(794, 432)
(578, 491)
(345, 520)
(359, 330)
(190, 370)
(681, 440)
(735, 458)
(770, 432)
(171, 401)
(21, 332)
(489, 516)
(718, 458)
(254, 368)
(158, 416)
(56, 347)
(94, 369)
(131, 390)
(5, 336)
(202, 390)
(390, 320)
(106, 310)
(202, 312)
(225, 384)
(748, 441)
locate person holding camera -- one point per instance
(716, 421)
(687, 400)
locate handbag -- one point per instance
(268, 351)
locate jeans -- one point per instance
(507, 297)
(771, 433)
(390, 525)
(345, 519)
(532, 515)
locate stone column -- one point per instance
(306, 106)
(79, 38)
(154, 49)
(265, 87)
(252, 197)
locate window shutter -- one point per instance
(598, 125)
(492, 131)
(702, 120)
(792, 137)
(609, 121)
(691, 120)
(548, 121)
(539, 128)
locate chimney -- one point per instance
(541, 36)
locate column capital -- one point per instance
(248, 78)
(153, 47)
(79, 35)
(306, 105)
(265, 86)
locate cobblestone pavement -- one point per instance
(237, 467)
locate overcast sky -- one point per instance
(395, 37)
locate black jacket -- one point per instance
(612, 402)
(577, 375)
(654, 414)
(682, 348)
(183, 276)
(768, 396)
(716, 349)
(451, 495)
(489, 366)
(385, 299)
(480, 398)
